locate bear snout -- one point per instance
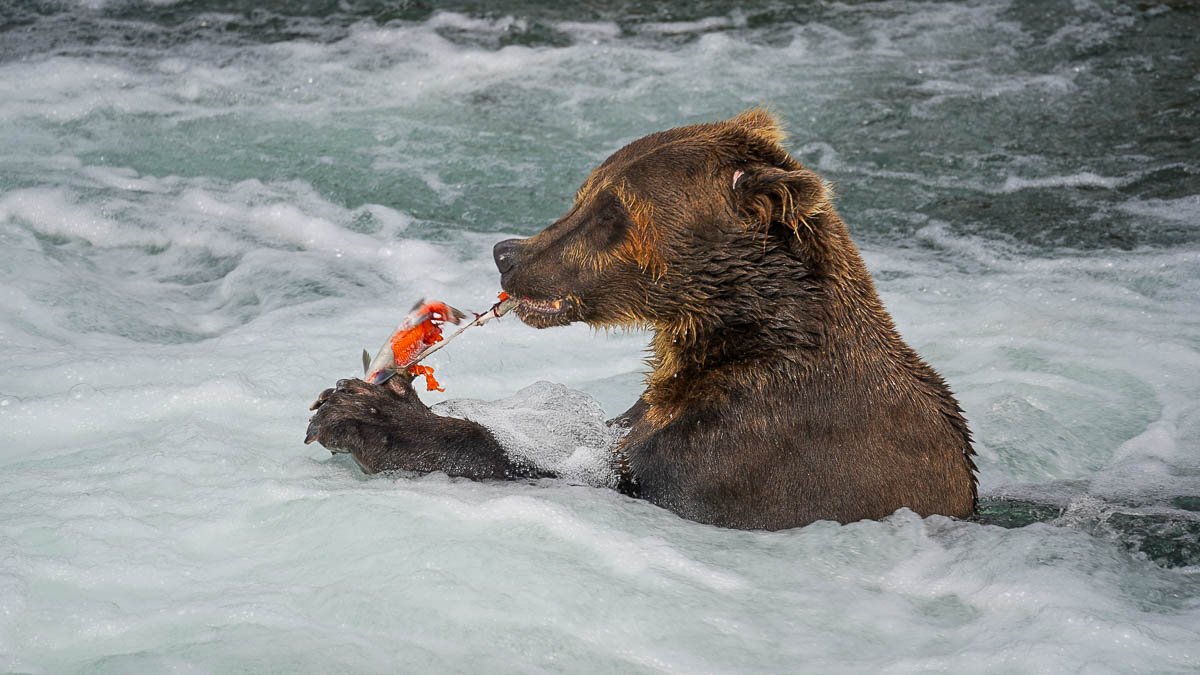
(505, 254)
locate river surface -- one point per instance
(207, 209)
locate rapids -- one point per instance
(207, 209)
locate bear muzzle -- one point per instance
(505, 254)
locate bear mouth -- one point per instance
(545, 313)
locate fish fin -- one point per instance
(366, 361)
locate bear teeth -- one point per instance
(543, 305)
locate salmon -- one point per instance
(419, 335)
(419, 331)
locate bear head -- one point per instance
(680, 231)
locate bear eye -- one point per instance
(608, 222)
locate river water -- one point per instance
(208, 209)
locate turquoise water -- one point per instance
(208, 209)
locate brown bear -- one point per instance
(780, 392)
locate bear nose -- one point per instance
(505, 254)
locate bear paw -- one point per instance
(355, 416)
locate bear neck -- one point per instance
(797, 309)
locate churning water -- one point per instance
(208, 209)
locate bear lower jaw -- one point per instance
(546, 313)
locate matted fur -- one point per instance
(779, 391)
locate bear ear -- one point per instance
(760, 123)
(768, 195)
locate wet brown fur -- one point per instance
(779, 392)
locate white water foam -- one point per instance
(549, 427)
(196, 239)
